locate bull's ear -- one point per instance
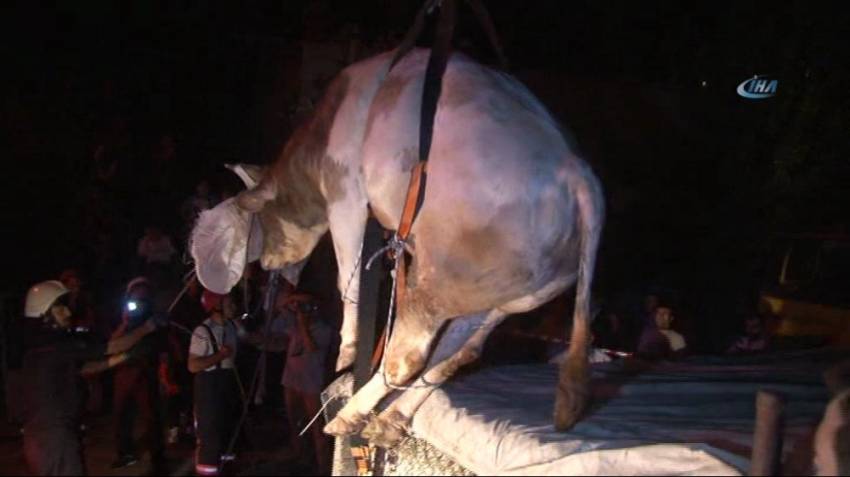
(224, 238)
(254, 199)
(249, 173)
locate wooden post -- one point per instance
(766, 458)
(367, 303)
(349, 451)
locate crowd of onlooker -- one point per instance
(134, 189)
(172, 383)
(655, 325)
(281, 366)
(137, 212)
(655, 332)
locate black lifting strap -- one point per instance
(409, 40)
(437, 62)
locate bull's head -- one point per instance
(268, 222)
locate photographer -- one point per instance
(55, 358)
(307, 338)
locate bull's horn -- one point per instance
(253, 200)
(249, 173)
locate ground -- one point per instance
(262, 455)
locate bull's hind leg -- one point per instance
(572, 394)
(459, 345)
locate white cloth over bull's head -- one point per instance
(225, 239)
(228, 237)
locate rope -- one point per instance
(187, 279)
(398, 246)
(324, 406)
(390, 316)
(239, 383)
(351, 278)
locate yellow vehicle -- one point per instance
(808, 288)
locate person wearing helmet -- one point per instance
(54, 361)
(212, 358)
(136, 384)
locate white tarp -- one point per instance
(689, 418)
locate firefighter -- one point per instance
(212, 358)
(56, 358)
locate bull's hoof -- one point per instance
(340, 426)
(572, 396)
(346, 357)
(386, 430)
(569, 410)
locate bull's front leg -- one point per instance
(352, 417)
(406, 355)
(348, 331)
(347, 226)
(461, 344)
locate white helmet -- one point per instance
(41, 296)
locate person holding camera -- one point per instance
(137, 381)
(212, 358)
(307, 338)
(55, 358)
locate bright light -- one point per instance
(132, 306)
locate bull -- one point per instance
(511, 218)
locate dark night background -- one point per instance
(697, 178)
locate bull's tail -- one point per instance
(573, 381)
